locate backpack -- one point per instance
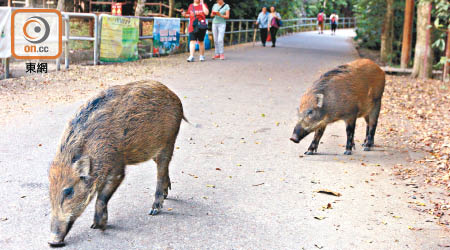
(274, 23)
(320, 17)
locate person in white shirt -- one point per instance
(334, 18)
(273, 24)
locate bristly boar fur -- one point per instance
(345, 93)
(123, 125)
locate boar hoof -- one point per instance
(154, 211)
(57, 244)
(309, 152)
(348, 152)
(98, 226)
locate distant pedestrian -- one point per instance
(263, 24)
(197, 12)
(220, 12)
(334, 18)
(320, 20)
(274, 25)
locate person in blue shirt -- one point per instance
(263, 22)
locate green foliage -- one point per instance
(369, 15)
(250, 9)
(441, 24)
(342, 7)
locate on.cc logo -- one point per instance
(36, 29)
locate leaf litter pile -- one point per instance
(415, 114)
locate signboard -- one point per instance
(166, 35)
(5, 32)
(119, 39)
(36, 34)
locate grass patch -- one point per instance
(80, 28)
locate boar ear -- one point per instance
(319, 100)
(83, 166)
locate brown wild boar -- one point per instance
(350, 91)
(121, 126)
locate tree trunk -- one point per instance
(423, 57)
(140, 8)
(65, 5)
(407, 34)
(171, 8)
(387, 32)
(60, 5)
(446, 74)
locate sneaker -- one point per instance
(216, 56)
(222, 57)
(201, 58)
(190, 59)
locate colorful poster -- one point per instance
(5, 32)
(166, 35)
(119, 39)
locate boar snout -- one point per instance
(298, 134)
(59, 231)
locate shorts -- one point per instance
(321, 24)
(198, 36)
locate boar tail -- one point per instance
(185, 119)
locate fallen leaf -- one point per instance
(329, 192)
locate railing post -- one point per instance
(231, 33)
(239, 30)
(66, 44)
(96, 38)
(6, 66)
(246, 31)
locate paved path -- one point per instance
(243, 111)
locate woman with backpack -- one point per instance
(274, 24)
(320, 19)
(334, 18)
(197, 12)
(220, 12)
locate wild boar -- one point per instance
(350, 91)
(121, 126)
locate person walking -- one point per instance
(220, 11)
(320, 20)
(334, 18)
(197, 12)
(273, 24)
(263, 22)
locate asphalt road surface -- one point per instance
(237, 180)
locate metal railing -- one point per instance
(67, 37)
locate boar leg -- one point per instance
(350, 136)
(163, 181)
(315, 143)
(103, 196)
(372, 121)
